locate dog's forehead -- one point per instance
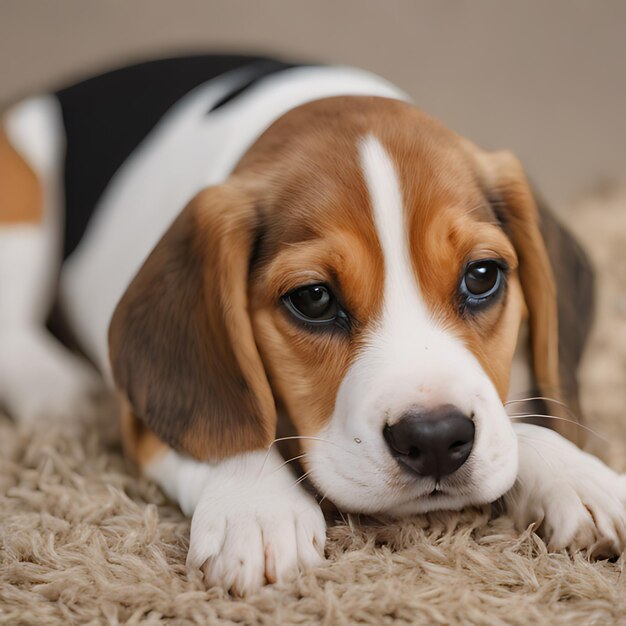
(314, 185)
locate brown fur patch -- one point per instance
(576, 304)
(181, 343)
(306, 367)
(21, 193)
(140, 444)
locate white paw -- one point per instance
(252, 527)
(41, 380)
(578, 501)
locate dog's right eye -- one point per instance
(315, 305)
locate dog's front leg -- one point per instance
(578, 502)
(251, 523)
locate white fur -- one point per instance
(39, 378)
(578, 500)
(249, 518)
(409, 361)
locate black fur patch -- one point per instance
(107, 116)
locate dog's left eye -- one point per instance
(315, 305)
(481, 281)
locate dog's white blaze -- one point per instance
(388, 209)
(406, 331)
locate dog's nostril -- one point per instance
(414, 452)
(460, 450)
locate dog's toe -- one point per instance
(255, 550)
(578, 499)
(263, 534)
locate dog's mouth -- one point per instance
(435, 491)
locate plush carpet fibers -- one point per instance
(83, 540)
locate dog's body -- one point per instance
(314, 185)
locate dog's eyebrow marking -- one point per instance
(401, 291)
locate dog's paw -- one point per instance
(42, 380)
(253, 527)
(577, 502)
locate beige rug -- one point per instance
(83, 541)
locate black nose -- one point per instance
(434, 443)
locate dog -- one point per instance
(240, 243)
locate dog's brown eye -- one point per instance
(313, 302)
(315, 305)
(481, 283)
(481, 277)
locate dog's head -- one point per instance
(366, 271)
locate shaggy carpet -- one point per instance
(84, 541)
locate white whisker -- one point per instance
(562, 419)
(269, 448)
(302, 478)
(545, 399)
(294, 458)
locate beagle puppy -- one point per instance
(243, 246)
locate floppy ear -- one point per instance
(181, 343)
(576, 299)
(515, 207)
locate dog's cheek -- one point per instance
(304, 370)
(494, 344)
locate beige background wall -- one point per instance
(546, 78)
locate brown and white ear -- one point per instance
(515, 206)
(181, 343)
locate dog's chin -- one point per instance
(404, 502)
(454, 498)
(439, 501)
